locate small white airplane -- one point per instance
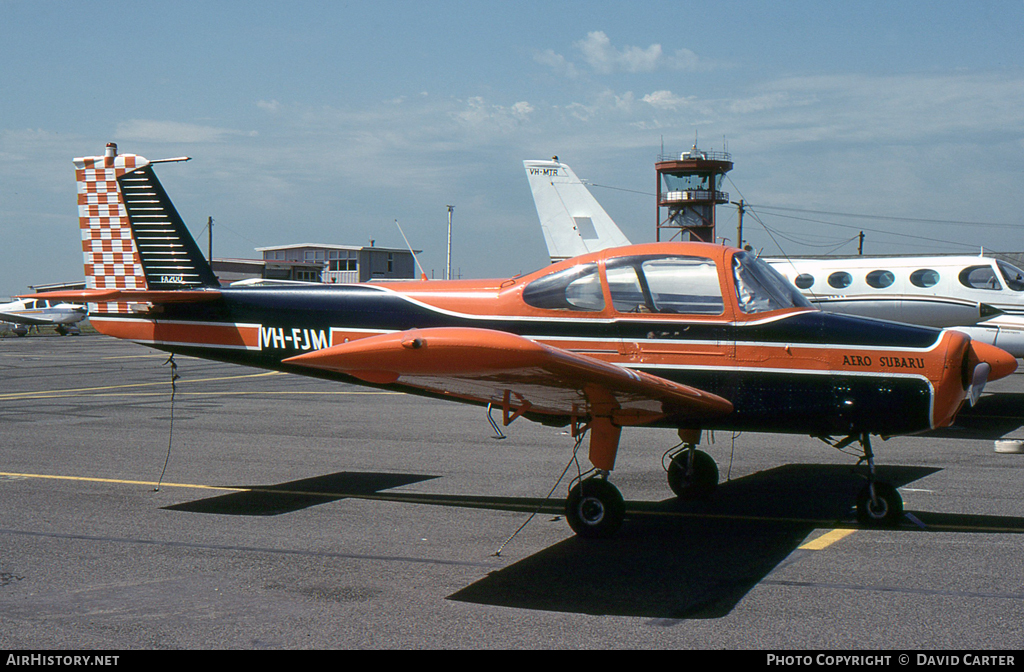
(977, 295)
(21, 315)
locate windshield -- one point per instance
(1014, 276)
(760, 288)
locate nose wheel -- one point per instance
(879, 505)
(594, 508)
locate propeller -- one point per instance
(990, 363)
(978, 380)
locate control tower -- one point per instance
(689, 188)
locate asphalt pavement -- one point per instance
(258, 510)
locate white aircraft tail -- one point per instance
(572, 220)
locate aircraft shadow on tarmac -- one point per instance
(273, 500)
(671, 560)
(678, 560)
(993, 417)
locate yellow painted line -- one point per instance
(826, 540)
(136, 395)
(164, 383)
(123, 482)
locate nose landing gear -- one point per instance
(879, 504)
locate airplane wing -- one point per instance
(499, 368)
(30, 320)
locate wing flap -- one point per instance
(497, 367)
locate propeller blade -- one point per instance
(978, 381)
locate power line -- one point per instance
(951, 222)
(879, 231)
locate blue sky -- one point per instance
(327, 121)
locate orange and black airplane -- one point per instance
(689, 336)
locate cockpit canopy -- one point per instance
(663, 283)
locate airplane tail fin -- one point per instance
(572, 220)
(132, 236)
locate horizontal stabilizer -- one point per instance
(500, 368)
(128, 295)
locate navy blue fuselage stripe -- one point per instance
(369, 308)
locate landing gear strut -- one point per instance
(878, 504)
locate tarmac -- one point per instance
(257, 510)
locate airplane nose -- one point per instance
(1001, 363)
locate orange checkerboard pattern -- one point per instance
(111, 260)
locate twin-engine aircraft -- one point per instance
(688, 336)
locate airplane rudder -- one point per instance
(109, 254)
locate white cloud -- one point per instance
(556, 62)
(481, 115)
(599, 53)
(521, 110)
(666, 100)
(271, 106)
(148, 130)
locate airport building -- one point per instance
(343, 263)
(320, 263)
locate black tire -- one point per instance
(701, 483)
(886, 511)
(595, 509)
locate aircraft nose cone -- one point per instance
(1001, 362)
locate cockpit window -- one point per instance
(1014, 276)
(627, 293)
(979, 277)
(575, 288)
(760, 288)
(665, 284)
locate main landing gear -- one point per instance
(692, 473)
(595, 508)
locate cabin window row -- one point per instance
(663, 284)
(972, 277)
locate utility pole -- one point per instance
(860, 245)
(739, 223)
(448, 267)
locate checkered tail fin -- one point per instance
(132, 236)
